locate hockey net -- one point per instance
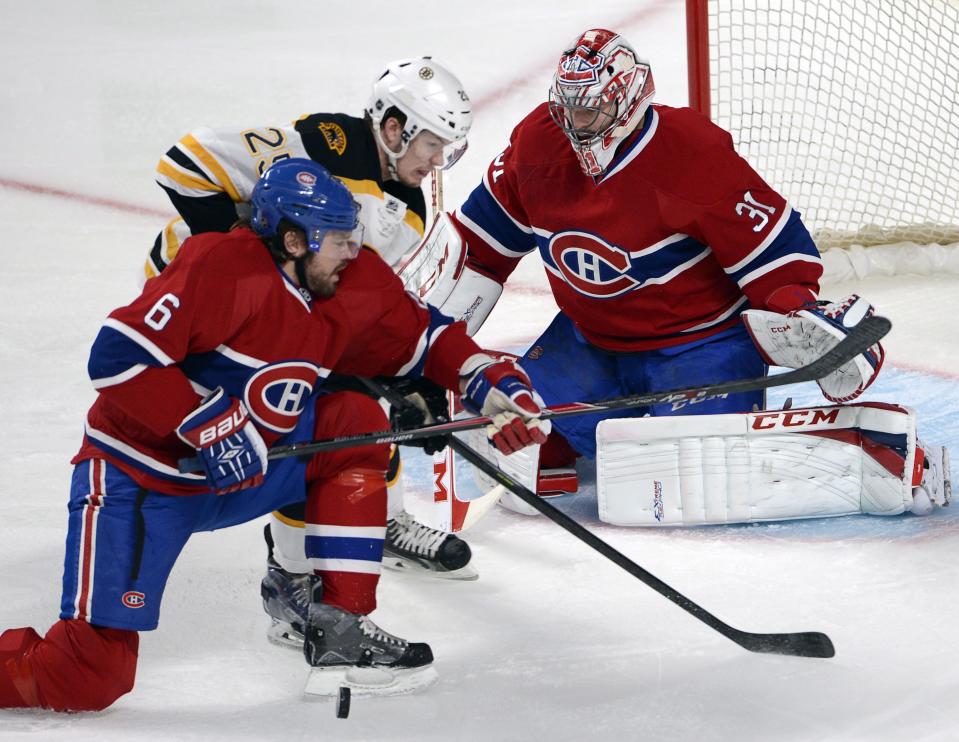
(849, 109)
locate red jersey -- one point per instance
(224, 314)
(667, 247)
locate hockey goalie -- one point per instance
(673, 264)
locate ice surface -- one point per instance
(552, 642)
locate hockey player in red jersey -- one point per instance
(221, 356)
(417, 118)
(656, 237)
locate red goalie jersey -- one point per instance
(667, 247)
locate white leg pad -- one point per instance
(771, 465)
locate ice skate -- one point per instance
(418, 549)
(348, 649)
(286, 600)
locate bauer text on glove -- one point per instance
(230, 448)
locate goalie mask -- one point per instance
(432, 99)
(600, 93)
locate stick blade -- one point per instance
(801, 644)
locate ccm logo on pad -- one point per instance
(794, 418)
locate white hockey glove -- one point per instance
(803, 335)
(500, 389)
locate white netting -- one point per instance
(849, 108)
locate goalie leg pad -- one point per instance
(772, 465)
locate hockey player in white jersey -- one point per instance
(417, 120)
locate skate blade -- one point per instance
(368, 681)
(415, 569)
(283, 635)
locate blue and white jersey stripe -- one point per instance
(485, 216)
(345, 548)
(438, 324)
(119, 353)
(788, 241)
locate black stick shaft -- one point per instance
(803, 644)
(868, 332)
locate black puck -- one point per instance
(343, 703)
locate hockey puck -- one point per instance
(343, 703)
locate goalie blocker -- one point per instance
(771, 465)
(436, 272)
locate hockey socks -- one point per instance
(75, 667)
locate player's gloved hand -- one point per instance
(801, 335)
(428, 405)
(500, 389)
(230, 447)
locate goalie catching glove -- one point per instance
(798, 337)
(230, 448)
(500, 389)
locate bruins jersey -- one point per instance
(210, 173)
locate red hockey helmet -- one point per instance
(600, 92)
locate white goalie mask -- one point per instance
(431, 97)
(600, 93)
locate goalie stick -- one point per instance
(801, 644)
(868, 332)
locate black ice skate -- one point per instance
(286, 600)
(415, 548)
(348, 649)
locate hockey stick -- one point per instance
(867, 333)
(802, 644)
(444, 461)
(462, 513)
(807, 644)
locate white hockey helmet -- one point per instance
(431, 97)
(601, 90)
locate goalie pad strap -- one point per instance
(771, 465)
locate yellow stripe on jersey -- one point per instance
(211, 163)
(414, 220)
(171, 239)
(395, 467)
(371, 188)
(189, 181)
(288, 521)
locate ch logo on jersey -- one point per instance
(277, 394)
(755, 210)
(590, 265)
